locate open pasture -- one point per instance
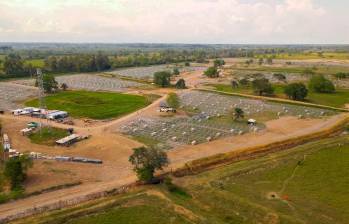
(147, 72)
(94, 105)
(211, 118)
(12, 94)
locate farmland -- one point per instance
(95, 105)
(283, 187)
(211, 118)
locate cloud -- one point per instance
(186, 21)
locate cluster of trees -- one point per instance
(212, 72)
(262, 86)
(14, 65)
(163, 79)
(77, 63)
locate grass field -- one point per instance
(94, 105)
(338, 99)
(305, 184)
(47, 136)
(36, 63)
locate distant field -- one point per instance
(325, 55)
(94, 105)
(305, 184)
(338, 99)
(36, 63)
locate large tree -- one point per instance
(319, 84)
(49, 83)
(146, 161)
(296, 91)
(162, 79)
(13, 65)
(262, 86)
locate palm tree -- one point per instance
(238, 113)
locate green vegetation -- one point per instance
(172, 100)
(305, 184)
(180, 84)
(218, 63)
(262, 87)
(94, 105)
(47, 136)
(320, 84)
(338, 99)
(146, 161)
(238, 113)
(162, 79)
(15, 170)
(296, 91)
(211, 72)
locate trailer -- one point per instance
(69, 140)
(57, 115)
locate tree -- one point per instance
(319, 84)
(260, 61)
(296, 91)
(187, 64)
(176, 71)
(49, 83)
(162, 79)
(218, 63)
(146, 161)
(238, 113)
(13, 65)
(211, 72)
(341, 75)
(262, 86)
(280, 77)
(180, 84)
(15, 170)
(64, 86)
(173, 100)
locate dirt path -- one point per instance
(277, 130)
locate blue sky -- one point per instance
(175, 21)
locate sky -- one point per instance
(176, 21)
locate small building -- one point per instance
(165, 108)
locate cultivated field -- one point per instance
(12, 95)
(210, 118)
(147, 72)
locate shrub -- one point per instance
(280, 77)
(218, 62)
(296, 91)
(262, 86)
(211, 72)
(172, 100)
(320, 84)
(162, 79)
(180, 84)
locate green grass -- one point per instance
(47, 136)
(337, 99)
(94, 105)
(36, 63)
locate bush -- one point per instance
(15, 171)
(320, 84)
(218, 62)
(211, 72)
(180, 84)
(262, 86)
(296, 91)
(280, 77)
(176, 71)
(162, 79)
(172, 100)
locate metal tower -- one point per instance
(41, 96)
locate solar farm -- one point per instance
(146, 73)
(11, 94)
(210, 119)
